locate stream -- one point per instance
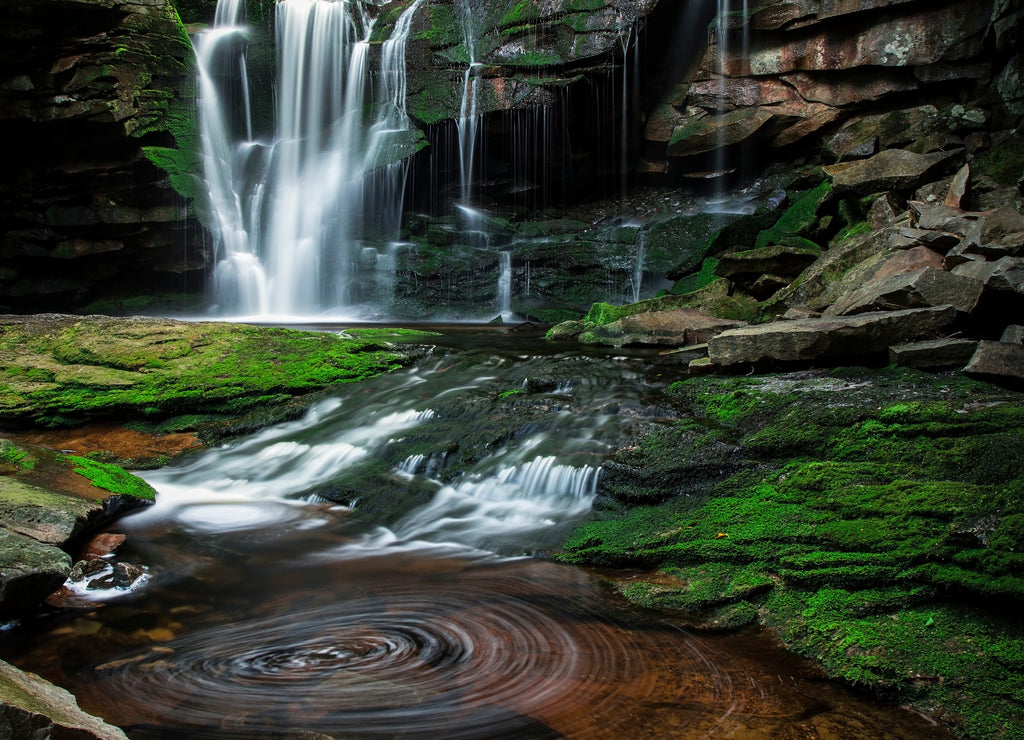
(377, 569)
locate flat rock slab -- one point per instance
(840, 336)
(675, 328)
(891, 169)
(33, 707)
(926, 287)
(933, 354)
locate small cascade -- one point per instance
(721, 31)
(638, 264)
(505, 285)
(483, 510)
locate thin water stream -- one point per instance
(375, 570)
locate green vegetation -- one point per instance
(14, 459)
(874, 520)
(113, 478)
(66, 371)
(801, 218)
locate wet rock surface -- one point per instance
(33, 707)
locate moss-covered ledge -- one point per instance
(62, 371)
(48, 501)
(874, 520)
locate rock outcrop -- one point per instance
(101, 160)
(47, 500)
(31, 707)
(809, 74)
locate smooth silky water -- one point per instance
(271, 610)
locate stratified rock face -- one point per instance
(524, 51)
(807, 72)
(92, 93)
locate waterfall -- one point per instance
(505, 284)
(333, 169)
(468, 116)
(638, 264)
(720, 31)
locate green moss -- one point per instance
(800, 218)
(14, 459)
(873, 512)
(134, 368)
(113, 478)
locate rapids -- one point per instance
(284, 599)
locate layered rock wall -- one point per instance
(99, 145)
(821, 76)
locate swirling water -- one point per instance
(276, 607)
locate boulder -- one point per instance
(865, 135)
(933, 354)
(939, 242)
(34, 708)
(958, 188)
(883, 211)
(996, 233)
(863, 336)
(939, 217)
(891, 169)
(675, 328)
(1010, 85)
(46, 516)
(1005, 275)
(925, 287)
(1001, 361)
(29, 572)
(1014, 334)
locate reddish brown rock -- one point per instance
(102, 545)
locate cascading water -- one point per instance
(505, 285)
(270, 612)
(290, 212)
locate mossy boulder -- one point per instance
(47, 500)
(67, 370)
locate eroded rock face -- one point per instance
(526, 51)
(92, 94)
(860, 77)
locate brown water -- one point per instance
(270, 612)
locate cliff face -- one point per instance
(99, 133)
(816, 76)
(92, 93)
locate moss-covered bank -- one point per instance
(875, 521)
(66, 370)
